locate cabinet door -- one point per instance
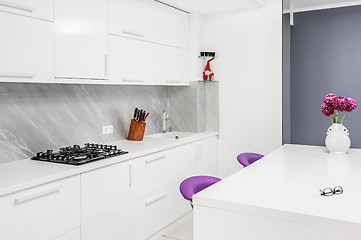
(186, 158)
(130, 61)
(43, 212)
(42, 9)
(208, 165)
(26, 47)
(132, 18)
(172, 26)
(151, 173)
(172, 65)
(81, 40)
(106, 203)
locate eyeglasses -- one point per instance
(329, 191)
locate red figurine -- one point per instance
(208, 74)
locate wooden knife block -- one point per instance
(136, 130)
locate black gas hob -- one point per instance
(76, 155)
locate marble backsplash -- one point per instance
(36, 117)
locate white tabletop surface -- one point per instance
(286, 185)
(19, 175)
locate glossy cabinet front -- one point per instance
(81, 39)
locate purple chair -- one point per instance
(192, 185)
(248, 158)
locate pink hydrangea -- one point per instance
(327, 109)
(349, 104)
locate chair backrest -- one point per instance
(248, 158)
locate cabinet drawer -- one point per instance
(151, 173)
(42, 9)
(27, 49)
(43, 212)
(156, 211)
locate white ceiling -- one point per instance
(317, 4)
(213, 6)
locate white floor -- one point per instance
(183, 230)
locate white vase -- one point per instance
(337, 140)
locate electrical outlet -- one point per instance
(108, 129)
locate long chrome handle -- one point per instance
(16, 75)
(173, 81)
(154, 159)
(130, 175)
(133, 80)
(16, 6)
(36, 195)
(137, 34)
(154, 200)
(106, 64)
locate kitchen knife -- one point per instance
(145, 118)
(140, 115)
(135, 113)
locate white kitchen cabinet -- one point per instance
(208, 164)
(81, 39)
(106, 203)
(186, 158)
(42, 9)
(151, 173)
(74, 234)
(157, 210)
(132, 18)
(26, 47)
(150, 21)
(130, 61)
(172, 26)
(43, 212)
(172, 65)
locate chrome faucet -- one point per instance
(165, 119)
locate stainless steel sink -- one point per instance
(175, 135)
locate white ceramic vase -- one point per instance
(337, 140)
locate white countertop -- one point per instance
(19, 175)
(286, 185)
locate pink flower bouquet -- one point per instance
(334, 104)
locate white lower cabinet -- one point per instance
(156, 211)
(43, 212)
(72, 235)
(106, 210)
(208, 164)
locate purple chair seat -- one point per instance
(192, 185)
(248, 158)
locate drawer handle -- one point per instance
(16, 75)
(16, 6)
(106, 64)
(154, 200)
(154, 159)
(173, 81)
(133, 80)
(37, 195)
(133, 33)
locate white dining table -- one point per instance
(278, 197)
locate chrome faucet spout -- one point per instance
(165, 119)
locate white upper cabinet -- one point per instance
(42, 9)
(131, 61)
(131, 18)
(172, 65)
(81, 39)
(172, 26)
(149, 21)
(26, 49)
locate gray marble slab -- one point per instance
(37, 117)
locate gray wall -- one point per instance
(325, 58)
(36, 117)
